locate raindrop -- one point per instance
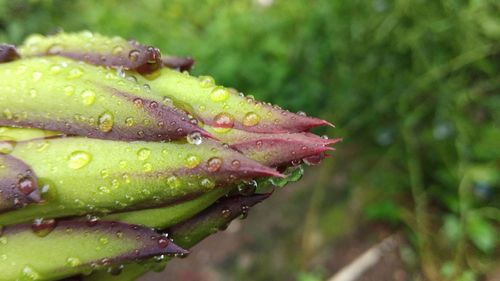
(30, 274)
(194, 138)
(173, 182)
(223, 121)
(134, 55)
(206, 81)
(117, 50)
(88, 97)
(207, 183)
(105, 122)
(163, 242)
(42, 227)
(192, 161)
(219, 94)
(36, 76)
(226, 212)
(73, 262)
(26, 185)
(55, 69)
(75, 73)
(79, 159)
(129, 121)
(143, 154)
(69, 90)
(55, 49)
(214, 164)
(236, 164)
(115, 270)
(247, 188)
(147, 167)
(251, 119)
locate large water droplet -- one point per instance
(207, 183)
(88, 97)
(143, 154)
(194, 138)
(117, 50)
(105, 122)
(223, 122)
(192, 161)
(226, 212)
(134, 55)
(79, 159)
(174, 182)
(75, 73)
(69, 90)
(206, 81)
(214, 164)
(251, 119)
(29, 273)
(219, 94)
(26, 185)
(42, 227)
(36, 76)
(73, 262)
(6, 147)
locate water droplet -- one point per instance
(92, 220)
(79, 159)
(88, 97)
(75, 73)
(301, 113)
(105, 122)
(251, 119)
(138, 103)
(214, 164)
(134, 55)
(117, 50)
(69, 90)
(223, 122)
(236, 164)
(55, 49)
(247, 188)
(55, 69)
(104, 173)
(73, 262)
(42, 227)
(143, 154)
(36, 76)
(104, 189)
(33, 93)
(6, 147)
(147, 167)
(206, 81)
(226, 212)
(207, 183)
(174, 182)
(115, 270)
(29, 273)
(194, 138)
(129, 121)
(104, 240)
(26, 185)
(219, 94)
(163, 242)
(192, 161)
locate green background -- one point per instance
(412, 86)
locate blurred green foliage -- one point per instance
(413, 87)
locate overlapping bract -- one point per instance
(133, 142)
